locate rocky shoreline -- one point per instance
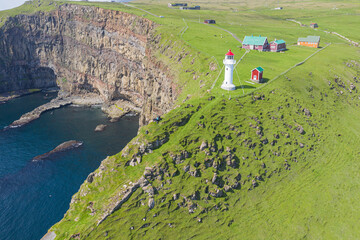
(114, 109)
(4, 97)
(35, 114)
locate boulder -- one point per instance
(307, 112)
(100, 127)
(300, 129)
(217, 193)
(203, 146)
(213, 180)
(176, 196)
(60, 148)
(90, 178)
(151, 203)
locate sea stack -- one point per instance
(62, 147)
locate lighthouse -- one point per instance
(229, 63)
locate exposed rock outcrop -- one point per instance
(4, 97)
(125, 195)
(100, 128)
(35, 114)
(86, 49)
(85, 100)
(62, 147)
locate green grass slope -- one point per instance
(285, 173)
(271, 161)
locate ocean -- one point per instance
(36, 195)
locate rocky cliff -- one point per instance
(87, 49)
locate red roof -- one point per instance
(229, 53)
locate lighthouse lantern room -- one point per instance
(229, 63)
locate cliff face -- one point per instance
(86, 49)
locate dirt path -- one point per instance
(128, 5)
(223, 29)
(232, 34)
(335, 33)
(297, 64)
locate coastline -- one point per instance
(113, 109)
(6, 96)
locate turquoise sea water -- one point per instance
(36, 195)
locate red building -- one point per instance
(257, 74)
(256, 43)
(277, 46)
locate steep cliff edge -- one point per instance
(87, 49)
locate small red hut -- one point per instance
(257, 74)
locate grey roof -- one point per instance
(310, 39)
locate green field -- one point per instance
(290, 144)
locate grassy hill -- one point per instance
(271, 161)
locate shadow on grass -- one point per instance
(244, 86)
(265, 80)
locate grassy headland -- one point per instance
(271, 161)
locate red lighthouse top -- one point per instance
(229, 53)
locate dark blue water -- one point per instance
(36, 195)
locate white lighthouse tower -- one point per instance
(229, 63)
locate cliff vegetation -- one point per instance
(271, 161)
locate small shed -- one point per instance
(190, 8)
(277, 45)
(209, 21)
(257, 74)
(314, 25)
(177, 4)
(309, 41)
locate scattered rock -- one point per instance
(213, 180)
(203, 146)
(90, 177)
(195, 173)
(135, 161)
(176, 196)
(307, 112)
(254, 183)
(75, 236)
(100, 127)
(186, 168)
(62, 147)
(151, 203)
(217, 193)
(227, 188)
(300, 129)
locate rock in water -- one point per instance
(100, 127)
(62, 147)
